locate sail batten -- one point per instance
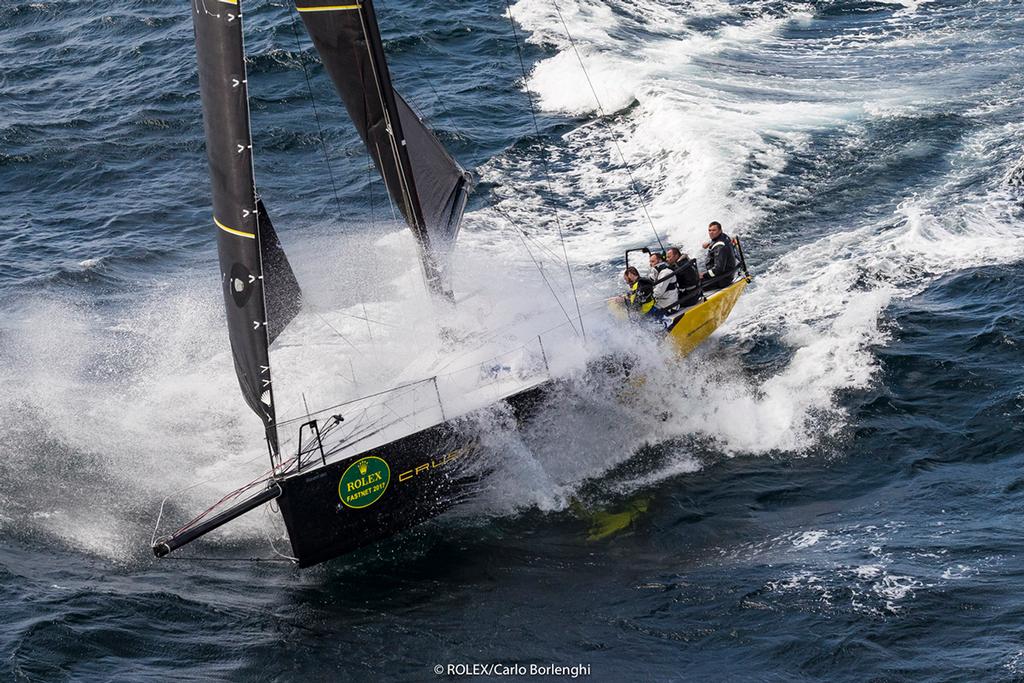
(425, 183)
(249, 251)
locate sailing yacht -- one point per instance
(370, 467)
(367, 468)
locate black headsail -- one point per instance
(255, 274)
(425, 183)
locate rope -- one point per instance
(547, 173)
(316, 115)
(270, 540)
(353, 400)
(172, 494)
(543, 276)
(492, 203)
(629, 170)
(323, 145)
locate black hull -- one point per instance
(346, 505)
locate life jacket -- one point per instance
(640, 298)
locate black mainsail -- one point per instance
(426, 184)
(255, 274)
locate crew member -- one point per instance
(721, 263)
(687, 276)
(665, 296)
(640, 297)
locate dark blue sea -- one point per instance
(831, 488)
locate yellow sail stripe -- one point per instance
(328, 8)
(229, 2)
(232, 230)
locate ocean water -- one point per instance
(831, 488)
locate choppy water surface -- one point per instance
(837, 490)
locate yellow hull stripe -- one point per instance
(328, 8)
(232, 230)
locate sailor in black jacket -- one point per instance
(687, 276)
(721, 263)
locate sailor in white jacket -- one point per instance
(665, 294)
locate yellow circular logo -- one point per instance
(364, 482)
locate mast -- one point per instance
(392, 121)
(425, 183)
(245, 236)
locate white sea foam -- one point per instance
(90, 263)
(695, 141)
(808, 538)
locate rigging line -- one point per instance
(270, 540)
(497, 332)
(367, 319)
(369, 189)
(360, 398)
(384, 404)
(377, 426)
(540, 245)
(343, 438)
(343, 337)
(383, 176)
(267, 476)
(373, 215)
(629, 170)
(354, 437)
(361, 437)
(525, 346)
(402, 180)
(421, 70)
(550, 288)
(360, 432)
(364, 397)
(489, 198)
(524, 234)
(337, 332)
(373, 227)
(316, 114)
(547, 172)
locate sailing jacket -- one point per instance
(664, 285)
(687, 275)
(687, 281)
(640, 295)
(721, 258)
